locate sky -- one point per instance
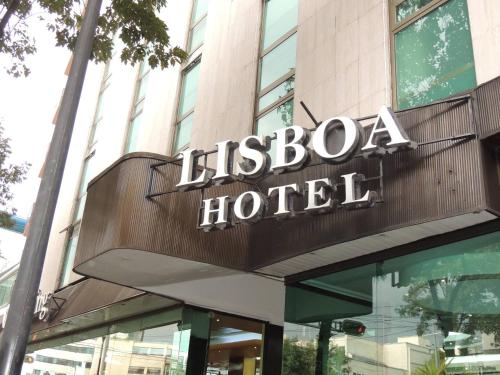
(27, 108)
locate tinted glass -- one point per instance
(277, 93)
(133, 134)
(235, 346)
(279, 117)
(278, 62)
(200, 8)
(164, 350)
(280, 16)
(434, 57)
(6, 289)
(183, 133)
(189, 90)
(408, 7)
(87, 174)
(80, 206)
(69, 257)
(197, 36)
(432, 312)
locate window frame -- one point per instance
(192, 25)
(262, 91)
(178, 118)
(396, 27)
(137, 102)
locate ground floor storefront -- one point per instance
(384, 314)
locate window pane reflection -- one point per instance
(432, 309)
(278, 62)
(280, 16)
(434, 57)
(155, 351)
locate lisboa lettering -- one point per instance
(294, 147)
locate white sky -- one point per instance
(27, 107)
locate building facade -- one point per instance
(354, 253)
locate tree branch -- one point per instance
(11, 8)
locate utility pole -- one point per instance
(22, 304)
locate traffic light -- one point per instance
(353, 327)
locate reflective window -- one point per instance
(69, 257)
(137, 108)
(409, 7)
(198, 24)
(277, 67)
(280, 16)
(235, 346)
(187, 101)
(434, 57)
(189, 89)
(183, 135)
(6, 286)
(278, 62)
(165, 351)
(422, 313)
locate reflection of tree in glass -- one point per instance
(435, 59)
(447, 303)
(285, 110)
(298, 357)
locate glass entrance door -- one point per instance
(235, 346)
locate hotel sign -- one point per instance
(294, 147)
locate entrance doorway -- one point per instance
(235, 346)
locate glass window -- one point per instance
(183, 134)
(408, 7)
(200, 9)
(276, 94)
(113, 354)
(434, 57)
(278, 62)
(189, 89)
(280, 16)
(235, 346)
(197, 35)
(431, 310)
(69, 257)
(279, 117)
(137, 107)
(133, 133)
(6, 286)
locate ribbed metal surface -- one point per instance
(488, 108)
(433, 182)
(437, 181)
(117, 215)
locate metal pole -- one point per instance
(22, 304)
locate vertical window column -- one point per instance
(86, 174)
(187, 101)
(198, 25)
(137, 107)
(274, 107)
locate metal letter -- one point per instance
(284, 203)
(221, 211)
(387, 122)
(258, 204)
(225, 156)
(353, 190)
(256, 161)
(352, 137)
(188, 173)
(316, 195)
(290, 144)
